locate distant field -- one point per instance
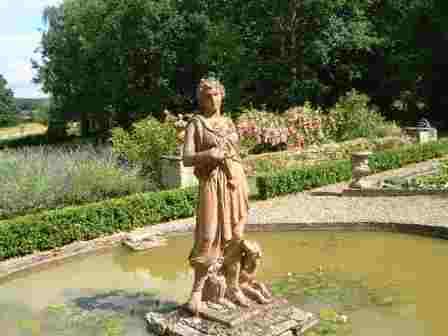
(22, 130)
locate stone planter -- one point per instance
(174, 174)
(422, 134)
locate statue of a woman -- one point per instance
(211, 147)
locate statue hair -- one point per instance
(209, 82)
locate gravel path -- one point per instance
(326, 205)
(307, 208)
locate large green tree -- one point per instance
(115, 61)
(8, 110)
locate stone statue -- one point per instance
(211, 146)
(226, 299)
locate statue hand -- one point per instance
(217, 154)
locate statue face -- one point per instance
(211, 100)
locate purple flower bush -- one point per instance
(37, 178)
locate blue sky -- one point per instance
(20, 21)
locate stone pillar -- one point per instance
(360, 168)
(174, 174)
(422, 134)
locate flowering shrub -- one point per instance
(298, 127)
(305, 125)
(45, 177)
(262, 131)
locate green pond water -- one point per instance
(386, 284)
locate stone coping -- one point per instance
(172, 157)
(41, 260)
(377, 192)
(419, 128)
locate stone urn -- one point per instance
(360, 169)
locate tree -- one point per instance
(112, 59)
(117, 61)
(8, 111)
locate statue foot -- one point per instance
(238, 297)
(263, 300)
(195, 304)
(255, 294)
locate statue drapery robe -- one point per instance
(222, 210)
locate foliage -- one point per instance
(56, 228)
(41, 113)
(152, 53)
(303, 178)
(8, 111)
(396, 158)
(145, 56)
(297, 180)
(130, 48)
(95, 313)
(29, 104)
(33, 179)
(352, 117)
(145, 144)
(436, 181)
(331, 291)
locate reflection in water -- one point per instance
(392, 284)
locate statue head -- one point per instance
(210, 94)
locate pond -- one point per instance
(385, 283)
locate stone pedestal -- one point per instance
(175, 175)
(422, 134)
(276, 319)
(360, 169)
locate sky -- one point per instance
(20, 25)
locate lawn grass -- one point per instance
(22, 130)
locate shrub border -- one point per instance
(56, 228)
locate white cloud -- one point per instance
(15, 62)
(19, 39)
(27, 4)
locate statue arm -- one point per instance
(191, 157)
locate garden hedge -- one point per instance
(56, 228)
(300, 179)
(50, 229)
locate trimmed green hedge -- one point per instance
(396, 158)
(56, 228)
(297, 180)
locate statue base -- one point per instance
(278, 318)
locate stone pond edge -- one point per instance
(41, 260)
